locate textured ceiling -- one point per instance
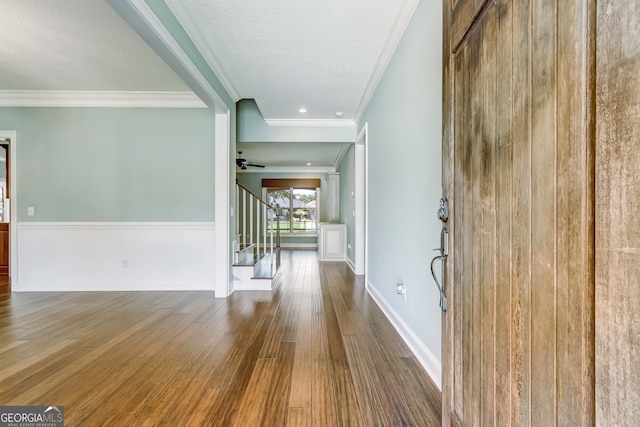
(76, 45)
(287, 54)
(326, 56)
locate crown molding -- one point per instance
(288, 169)
(154, 24)
(184, 18)
(311, 122)
(401, 24)
(341, 154)
(53, 98)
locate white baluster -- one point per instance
(244, 218)
(258, 226)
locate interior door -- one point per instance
(518, 171)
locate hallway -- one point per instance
(317, 351)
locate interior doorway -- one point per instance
(361, 198)
(8, 219)
(5, 197)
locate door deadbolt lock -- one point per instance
(443, 212)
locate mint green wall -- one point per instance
(347, 201)
(114, 164)
(253, 128)
(404, 152)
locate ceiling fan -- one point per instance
(243, 163)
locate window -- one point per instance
(296, 209)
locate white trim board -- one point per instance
(154, 24)
(426, 358)
(294, 245)
(361, 201)
(351, 265)
(312, 122)
(181, 13)
(115, 256)
(117, 99)
(223, 206)
(402, 22)
(288, 169)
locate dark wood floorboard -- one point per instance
(315, 352)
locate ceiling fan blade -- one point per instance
(243, 163)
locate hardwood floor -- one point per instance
(315, 352)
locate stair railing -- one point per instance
(256, 224)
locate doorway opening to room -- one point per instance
(8, 231)
(5, 197)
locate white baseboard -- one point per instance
(351, 265)
(299, 245)
(426, 358)
(256, 285)
(115, 256)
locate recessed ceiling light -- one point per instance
(308, 164)
(302, 110)
(339, 114)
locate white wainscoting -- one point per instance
(115, 256)
(426, 358)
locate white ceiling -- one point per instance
(287, 54)
(76, 45)
(326, 56)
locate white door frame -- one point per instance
(13, 206)
(361, 199)
(222, 244)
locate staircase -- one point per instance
(256, 255)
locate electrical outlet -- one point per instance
(402, 290)
(125, 263)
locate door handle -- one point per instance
(444, 252)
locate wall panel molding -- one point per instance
(115, 256)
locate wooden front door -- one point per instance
(519, 173)
(618, 214)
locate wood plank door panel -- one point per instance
(519, 173)
(618, 214)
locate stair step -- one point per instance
(261, 276)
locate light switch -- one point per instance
(31, 211)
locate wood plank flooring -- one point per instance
(315, 352)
